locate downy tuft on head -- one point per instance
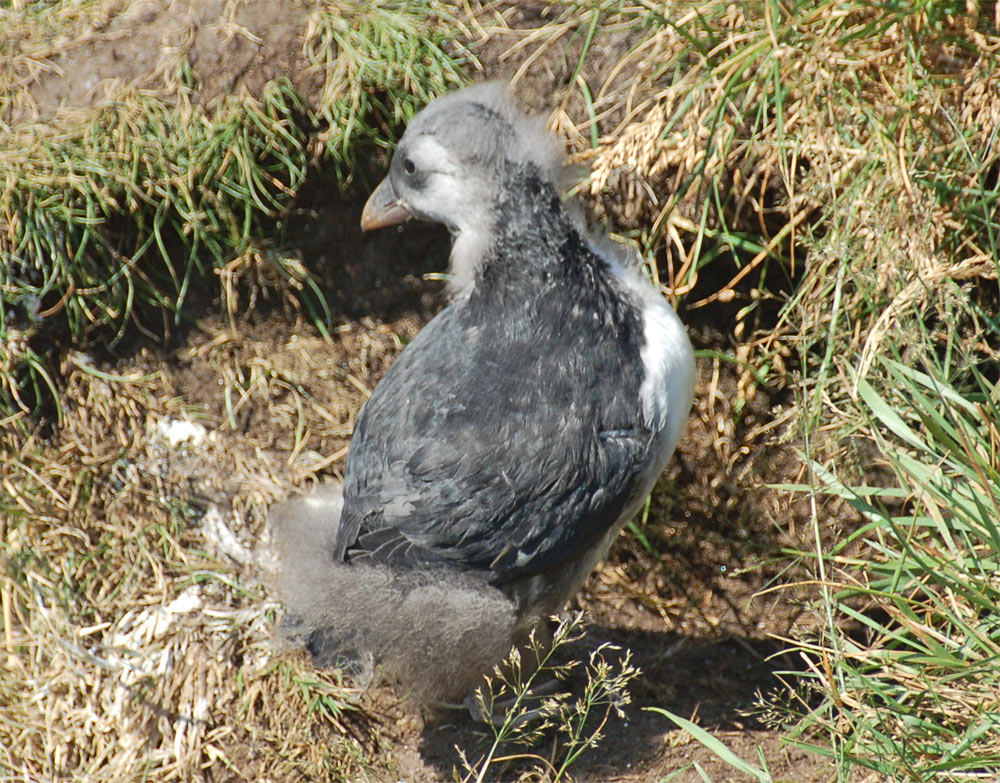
(482, 126)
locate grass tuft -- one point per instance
(909, 668)
(383, 60)
(113, 217)
(118, 219)
(527, 701)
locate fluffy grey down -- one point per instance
(432, 631)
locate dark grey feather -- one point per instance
(508, 437)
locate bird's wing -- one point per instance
(492, 456)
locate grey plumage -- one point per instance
(432, 630)
(503, 451)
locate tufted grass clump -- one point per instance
(115, 216)
(385, 62)
(118, 219)
(908, 667)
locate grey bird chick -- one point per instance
(503, 451)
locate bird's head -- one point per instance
(452, 165)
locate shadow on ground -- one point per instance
(385, 274)
(715, 682)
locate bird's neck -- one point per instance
(532, 235)
(525, 236)
(530, 213)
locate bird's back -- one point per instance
(508, 437)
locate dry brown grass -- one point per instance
(136, 617)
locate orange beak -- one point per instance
(383, 208)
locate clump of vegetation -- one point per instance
(908, 664)
(114, 221)
(782, 143)
(527, 700)
(115, 214)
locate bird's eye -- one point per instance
(409, 166)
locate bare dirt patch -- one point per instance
(229, 47)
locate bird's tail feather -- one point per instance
(434, 631)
